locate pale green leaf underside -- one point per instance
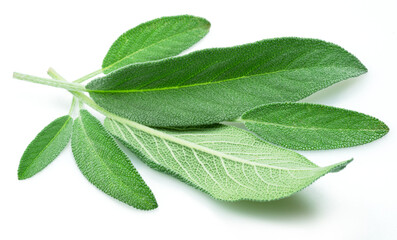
(215, 85)
(47, 145)
(156, 39)
(226, 162)
(107, 167)
(306, 126)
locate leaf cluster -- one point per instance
(174, 112)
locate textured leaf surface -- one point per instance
(107, 167)
(215, 85)
(47, 145)
(226, 162)
(156, 39)
(306, 126)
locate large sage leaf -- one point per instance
(306, 126)
(107, 167)
(156, 39)
(47, 145)
(226, 162)
(215, 85)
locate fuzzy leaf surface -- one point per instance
(214, 85)
(156, 39)
(226, 162)
(107, 167)
(306, 126)
(220, 84)
(47, 145)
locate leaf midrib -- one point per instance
(162, 40)
(312, 128)
(208, 83)
(198, 147)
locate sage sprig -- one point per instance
(146, 86)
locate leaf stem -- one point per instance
(50, 82)
(52, 73)
(72, 106)
(78, 95)
(88, 76)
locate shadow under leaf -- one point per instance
(298, 206)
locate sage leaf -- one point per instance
(107, 167)
(47, 145)
(156, 39)
(220, 84)
(226, 162)
(306, 126)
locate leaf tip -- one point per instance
(148, 203)
(151, 202)
(339, 166)
(385, 128)
(153, 206)
(207, 23)
(22, 175)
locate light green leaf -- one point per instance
(226, 162)
(156, 39)
(107, 167)
(47, 145)
(220, 84)
(306, 126)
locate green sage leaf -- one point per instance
(220, 84)
(107, 167)
(156, 39)
(47, 145)
(306, 126)
(226, 162)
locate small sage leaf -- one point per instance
(47, 145)
(226, 162)
(107, 167)
(306, 126)
(214, 85)
(156, 39)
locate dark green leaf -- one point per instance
(156, 39)
(47, 145)
(215, 85)
(306, 126)
(107, 167)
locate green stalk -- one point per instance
(82, 97)
(72, 106)
(52, 73)
(88, 76)
(50, 82)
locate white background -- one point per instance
(73, 37)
